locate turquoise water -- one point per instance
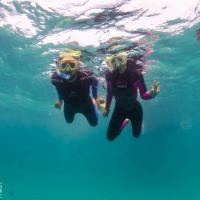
(42, 157)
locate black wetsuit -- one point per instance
(124, 88)
(76, 95)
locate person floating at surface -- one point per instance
(123, 80)
(73, 86)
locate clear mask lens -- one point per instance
(67, 66)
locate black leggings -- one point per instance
(135, 115)
(87, 108)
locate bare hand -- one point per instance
(100, 101)
(58, 104)
(155, 88)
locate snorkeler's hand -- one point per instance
(155, 88)
(100, 101)
(58, 104)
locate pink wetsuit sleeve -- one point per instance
(142, 89)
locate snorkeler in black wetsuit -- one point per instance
(73, 87)
(123, 81)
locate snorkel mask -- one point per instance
(67, 66)
(117, 62)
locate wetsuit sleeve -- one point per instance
(109, 94)
(54, 81)
(94, 83)
(94, 87)
(89, 76)
(140, 84)
(60, 96)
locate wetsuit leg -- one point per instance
(136, 117)
(114, 127)
(68, 113)
(90, 112)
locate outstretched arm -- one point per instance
(54, 81)
(140, 84)
(94, 87)
(58, 103)
(60, 95)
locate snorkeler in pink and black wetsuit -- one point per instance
(123, 81)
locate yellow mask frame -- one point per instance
(118, 61)
(68, 63)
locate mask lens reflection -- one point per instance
(72, 65)
(68, 65)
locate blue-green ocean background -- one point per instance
(42, 157)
